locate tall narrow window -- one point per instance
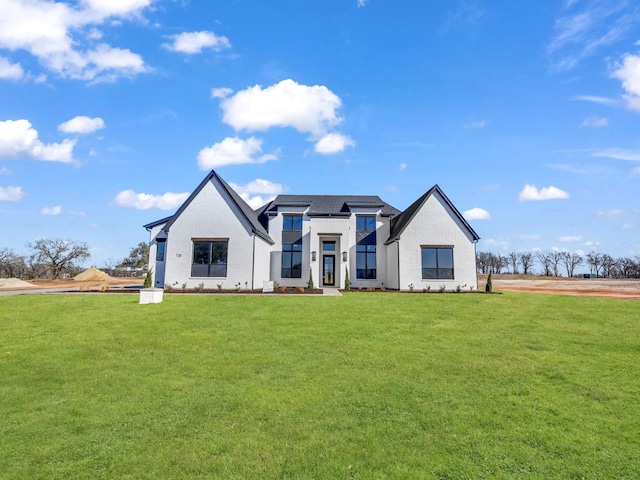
(209, 258)
(366, 247)
(437, 263)
(291, 266)
(161, 245)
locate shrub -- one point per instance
(347, 282)
(310, 282)
(489, 287)
(148, 280)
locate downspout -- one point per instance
(398, 243)
(253, 263)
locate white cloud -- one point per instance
(502, 243)
(333, 143)
(402, 167)
(594, 121)
(5, 171)
(18, 137)
(82, 124)
(258, 192)
(628, 72)
(362, 3)
(595, 99)
(474, 125)
(635, 171)
(259, 186)
(611, 213)
(10, 71)
(476, 214)
(590, 243)
(11, 194)
(56, 34)
(570, 239)
(57, 210)
(308, 109)
(531, 193)
(221, 92)
(584, 32)
(529, 238)
(194, 42)
(233, 151)
(629, 226)
(145, 201)
(619, 154)
(123, 8)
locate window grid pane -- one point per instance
(437, 263)
(209, 258)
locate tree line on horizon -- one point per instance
(556, 263)
(56, 258)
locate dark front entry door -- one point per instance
(328, 270)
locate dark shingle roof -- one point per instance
(330, 205)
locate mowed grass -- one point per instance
(370, 385)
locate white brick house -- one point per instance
(215, 238)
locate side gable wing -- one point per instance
(249, 215)
(400, 222)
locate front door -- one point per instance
(328, 270)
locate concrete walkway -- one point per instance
(331, 292)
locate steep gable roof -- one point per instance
(330, 205)
(251, 216)
(399, 223)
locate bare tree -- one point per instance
(544, 257)
(58, 255)
(498, 262)
(594, 260)
(11, 265)
(556, 258)
(570, 260)
(483, 262)
(526, 260)
(514, 259)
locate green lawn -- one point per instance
(370, 385)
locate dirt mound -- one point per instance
(93, 275)
(14, 283)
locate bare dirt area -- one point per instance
(74, 285)
(588, 287)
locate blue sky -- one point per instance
(526, 114)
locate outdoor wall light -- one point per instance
(313, 256)
(344, 256)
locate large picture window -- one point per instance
(209, 258)
(437, 263)
(366, 247)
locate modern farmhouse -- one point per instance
(215, 238)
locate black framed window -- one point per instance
(366, 247)
(161, 245)
(329, 246)
(292, 222)
(292, 260)
(291, 266)
(437, 263)
(209, 258)
(366, 262)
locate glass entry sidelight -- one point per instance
(328, 270)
